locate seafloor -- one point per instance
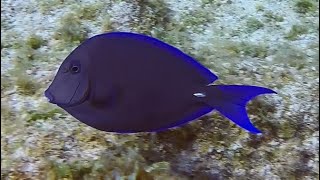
(271, 43)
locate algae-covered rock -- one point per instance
(270, 44)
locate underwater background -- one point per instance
(268, 43)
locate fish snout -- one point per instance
(49, 96)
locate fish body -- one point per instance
(127, 83)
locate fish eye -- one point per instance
(74, 69)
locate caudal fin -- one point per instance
(231, 100)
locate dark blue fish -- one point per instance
(127, 83)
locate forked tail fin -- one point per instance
(231, 100)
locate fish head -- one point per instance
(71, 83)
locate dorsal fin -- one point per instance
(207, 74)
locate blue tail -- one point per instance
(231, 100)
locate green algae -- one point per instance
(260, 7)
(270, 16)
(12, 40)
(36, 115)
(100, 169)
(35, 41)
(305, 6)
(26, 86)
(152, 15)
(208, 1)
(203, 145)
(6, 112)
(248, 49)
(196, 18)
(172, 142)
(6, 84)
(143, 175)
(46, 6)
(288, 130)
(107, 24)
(4, 24)
(218, 134)
(71, 29)
(260, 51)
(25, 53)
(270, 130)
(119, 165)
(155, 16)
(176, 35)
(61, 171)
(253, 24)
(296, 31)
(88, 11)
(290, 56)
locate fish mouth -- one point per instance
(51, 99)
(49, 96)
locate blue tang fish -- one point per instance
(127, 83)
